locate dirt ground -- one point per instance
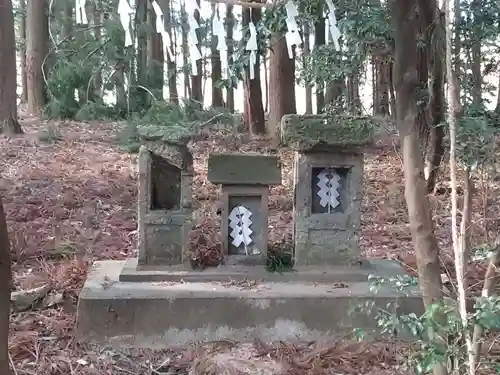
(71, 202)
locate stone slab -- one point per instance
(244, 169)
(169, 314)
(132, 272)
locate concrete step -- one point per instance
(172, 314)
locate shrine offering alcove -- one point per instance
(328, 186)
(164, 203)
(245, 180)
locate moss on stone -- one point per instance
(308, 133)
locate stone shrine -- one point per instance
(245, 180)
(328, 183)
(158, 301)
(164, 203)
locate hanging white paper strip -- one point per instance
(292, 36)
(191, 6)
(219, 31)
(334, 30)
(239, 222)
(160, 29)
(81, 15)
(252, 47)
(125, 11)
(328, 183)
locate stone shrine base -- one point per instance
(154, 308)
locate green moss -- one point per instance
(312, 132)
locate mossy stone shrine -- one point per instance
(164, 203)
(328, 181)
(245, 180)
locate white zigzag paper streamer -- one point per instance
(334, 30)
(292, 35)
(219, 31)
(125, 11)
(252, 47)
(81, 15)
(239, 222)
(160, 29)
(191, 7)
(328, 183)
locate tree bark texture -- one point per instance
(173, 95)
(217, 99)
(155, 55)
(253, 98)
(406, 78)
(281, 83)
(8, 83)
(306, 50)
(230, 51)
(197, 80)
(185, 52)
(37, 37)
(319, 40)
(22, 36)
(5, 272)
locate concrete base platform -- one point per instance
(170, 314)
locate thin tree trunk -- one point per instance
(497, 108)
(22, 35)
(8, 84)
(155, 55)
(256, 119)
(282, 83)
(306, 50)
(36, 51)
(230, 52)
(97, 19)
(421, 225)
(173, 96)
(5, 265)
(197, 80)
(319, 40)
(217, 99)
(266, 83)
(185, 52)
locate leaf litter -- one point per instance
(72, 202)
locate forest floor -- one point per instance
(71, 202)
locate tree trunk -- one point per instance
(185, 52)
(477, 79)
(230, 51)
(5, 261)
(197, 80)
(353, 92)
(319, 40)
(407, 82)
(37, 36)
(22, 36)
(155, 55)
(281, 83)
(256, 121)
(381, 69)
(457, 43)
(306, 50)
(217, 99)
(266, 83)
(497, 108)
(173, 96)
(435, 146)
(334, 92)
(8, 84)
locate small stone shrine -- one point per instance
(327, 187)
(164, 203)
(245, 180)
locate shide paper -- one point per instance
(191, 7)
(334, 30)
(292, 35)
(81, 15)
(160, 29)
(252, 47)
(126, 12)
(219, 31)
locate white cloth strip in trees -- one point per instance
(191, 7)
(292, 36)
(252, 47)
(219, 31)
(334, 30)
(160, 29)
(81, 15)
(125, 11)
